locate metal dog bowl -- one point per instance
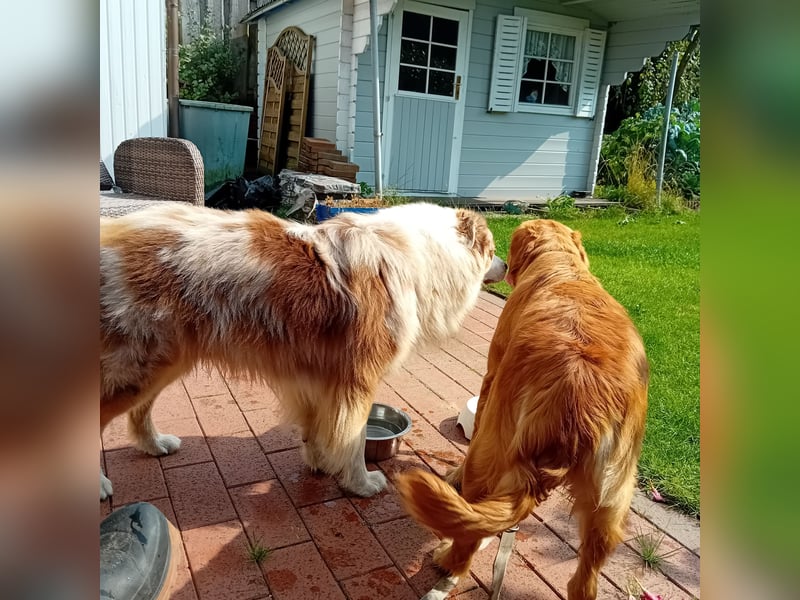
(385, 427)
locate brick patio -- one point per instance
(239, 475)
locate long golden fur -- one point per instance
(563, 401)
(318, 312)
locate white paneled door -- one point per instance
(425, 91)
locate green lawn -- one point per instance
(651, 264)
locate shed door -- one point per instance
(425, 89)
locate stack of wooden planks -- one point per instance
(318, 155)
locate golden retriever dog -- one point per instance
(320, 313)
(563, 402)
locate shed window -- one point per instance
(547, 63)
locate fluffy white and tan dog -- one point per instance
(320, 313)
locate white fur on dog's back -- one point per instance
(430, 275)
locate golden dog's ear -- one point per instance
(520, 250)
(578, 239)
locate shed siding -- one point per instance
(518, 155)
(323, 20)
(363, 148)
(630, 42)
(133, 73)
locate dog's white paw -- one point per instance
(374, 482)
(105, 487)
(161, 444)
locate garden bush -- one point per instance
(629, 155)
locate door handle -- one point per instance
(458, 86)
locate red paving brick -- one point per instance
(381, 507)
(198, 495)
(219, 562)
(199, 383)
(135, 476)
(251, 396)
(194, 448)
(303, 486)
(173, 403)
(115, 435)
(299, 573)
(219, 415)
(410, 547)
(240, 458)
(343, 539)
(519, 583)
(268, 514)
(270, 430)
(239, 473)
(381, 583)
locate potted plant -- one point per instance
(366, 202)
(208, 67)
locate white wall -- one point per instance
(133, 72)
(323, 20)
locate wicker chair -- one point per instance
(153, 170)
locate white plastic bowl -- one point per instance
(467, 417)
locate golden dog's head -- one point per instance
(532, 238)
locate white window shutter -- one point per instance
(508, 39)
(594, 45)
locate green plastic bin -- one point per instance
(220, 133)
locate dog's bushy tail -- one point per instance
(438, 506)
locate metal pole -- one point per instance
(376, 101)
(173, 33)
(667, 111)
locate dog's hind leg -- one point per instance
(141, 427)
(335, 440)
(602, 529)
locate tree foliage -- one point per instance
(634, 148)
(647, 88)
(208, 67)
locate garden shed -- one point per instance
(496, 100)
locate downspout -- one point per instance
(665, 133)
(173, 35)
(599, 123)
(376, 100)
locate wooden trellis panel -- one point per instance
(286, 92)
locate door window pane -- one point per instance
(441, 83)
(443, 57)
(416, 26)
(414, 53)
(412, 79)
(445, 31)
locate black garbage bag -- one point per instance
(264, 193)
(240, 194)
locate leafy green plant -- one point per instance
(366, 189)
(256, 551)
(647, 87)
(562, 207)
(208, 67)
(647, 546)
(634, 147)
